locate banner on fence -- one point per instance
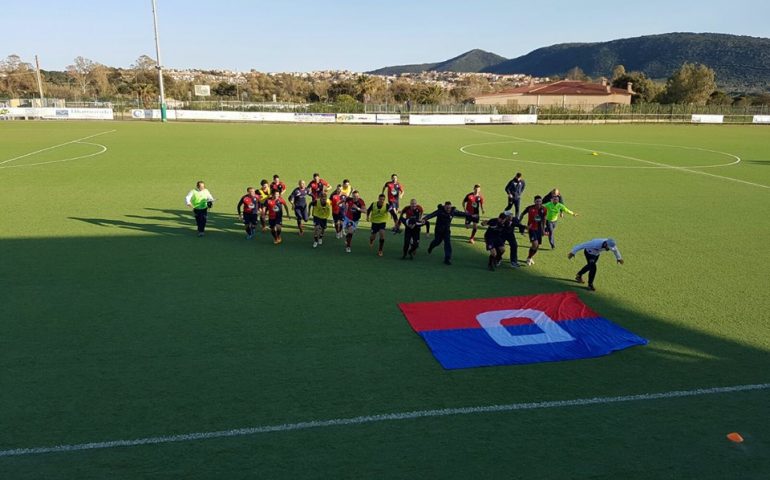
(761, 119)
(708, 118)
(356, 118)
(315, 117)
(51, 113)
(388, 118)
(517, 118)
(436, 119)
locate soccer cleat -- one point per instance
(280, 240)
(471, 241)
(530, 262)
(579, 278)
(200, 234)
(275, 242)
(347, 249)
(315, 244)
(514, 265)
(379, 253)
(320, 241)
(499, 262)
(591, 287)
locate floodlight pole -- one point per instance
(39, 82)
(159, 67)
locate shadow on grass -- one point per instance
(758, 162)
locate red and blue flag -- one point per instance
(515, 330)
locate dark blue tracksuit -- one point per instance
(443, 231)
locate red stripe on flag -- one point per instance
(458, 314)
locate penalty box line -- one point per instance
(650, 162)
(386, 417)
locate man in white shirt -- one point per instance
(592, 249)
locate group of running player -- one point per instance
(264, 207)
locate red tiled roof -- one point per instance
(562, 87)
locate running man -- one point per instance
(536, 214)
(556, 209)
(514, 189)
(298, 199)
(346, 188)
(264, 195)
(394, 191)
(354, 205)
(442, 233)
(473, 204)
(493, 238)
(337, 200)
(378, 212)
(318, 186)
(322, 211)
(275, 215)
(411, 218)
(200, 200)
(278, 185)
(592, 249)
(250, 215)
(510, 225)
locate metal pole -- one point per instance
(39, 82)
(159, 67)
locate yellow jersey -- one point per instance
(321, 211)
(378, 214)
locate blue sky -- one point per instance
(304, 35)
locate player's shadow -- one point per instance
(167, 222)
(765, 163)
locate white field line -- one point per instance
(103, 149)
(55, 146)
(572, 147)
(464, 149)
(386, 417)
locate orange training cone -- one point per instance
(735, 437)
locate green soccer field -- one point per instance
(120, 324)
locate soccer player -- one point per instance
(493, 238)
(592, 249)
(442, 233)
(275, 215)
(337, 199)
(264, 195)
(346, 188)
(250, 204)
(322, 210)
(278, 185)
(411, 218)
(298, 199)
(510, 225)
(473, 203)
(553, 193)
(395, 191)
(354, 205)
(318, 186)
(514, 189)
(200, 200)
(555, 209)
(536, 214)
(378, 213)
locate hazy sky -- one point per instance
(303, 35)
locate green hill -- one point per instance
(741, 63)
(472, 61)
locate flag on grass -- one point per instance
(515, 330)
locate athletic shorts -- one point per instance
(250, 218)
(471, 219)
(536, 236)
(348, 223)
(301, 213)
(495, 243)
(319, 222)
(376, 227)
(337, 217)
(275, 221)
(393, 205)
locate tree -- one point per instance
(720, 98)
(691, 84)
(225, 89)
(617, 72)
(645, 90)
(80, 72)
(17, 77)
(577, 73)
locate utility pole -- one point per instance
(159, 67)
(39, 82)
